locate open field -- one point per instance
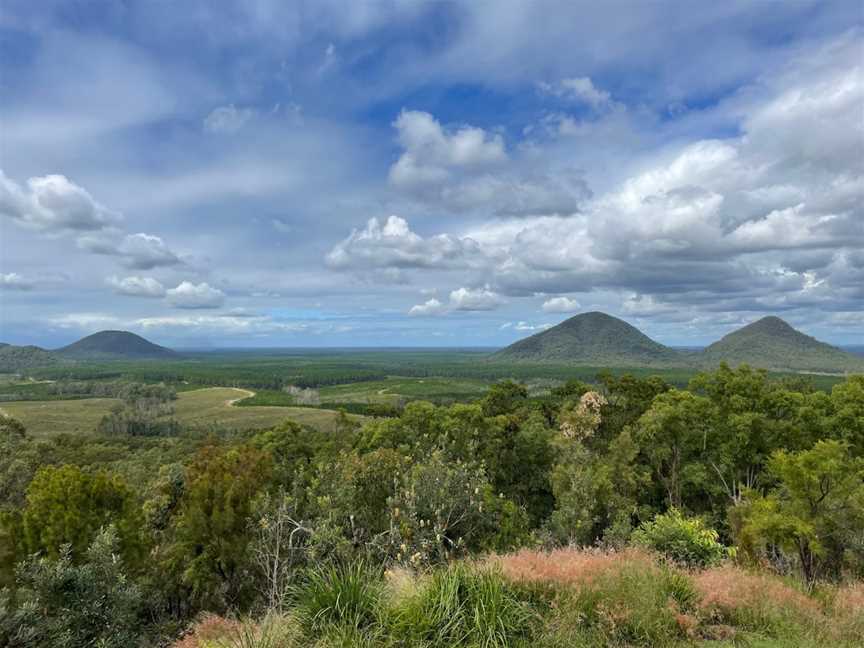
(47, 418)
(200, 407)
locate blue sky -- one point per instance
(266, 173)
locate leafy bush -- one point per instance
(686, 541)
(65, 605)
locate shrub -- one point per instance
(66, 605)
(687, 541)
(463, 605)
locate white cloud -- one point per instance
(431, 153)
(526, 327)
(560, 305)
(137, 286)
(393, 244)
(429, 307)
(469, 168)
(14, 281)
(480, 299)
(461, 299)
(190, 295)
(53, 203)
(227, 119)
(579, 89)
(145, 251)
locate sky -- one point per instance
(408, 173)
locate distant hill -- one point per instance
(15, 359)
(592, 339)
(771, 343)
(115, 345)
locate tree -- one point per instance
(504, 397)
(815, 512)
(68, 506)
(672, 436)
(210, 530)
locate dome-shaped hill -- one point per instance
(591, 339)
(115, 345)
(772, 343)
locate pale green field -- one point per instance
(198, 407)
(46, 418)
(396, 388)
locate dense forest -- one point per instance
(464, 524)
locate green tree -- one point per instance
(67, 506)
(672, 436)
(815, 512)
(210, 530)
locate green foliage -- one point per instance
(814, 513)
(65, 603)
(66, 506)
(463, 606)
(443, 509)
(209, 534)
(684, 540)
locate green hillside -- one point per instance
(14, 359)
(594, 339)
(115, 345)
(773, 344)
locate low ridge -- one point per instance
(591, 339)
(14, 359)
(115, 345)
(772, 343)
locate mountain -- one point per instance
(772, 344)
(595, 339)
(115, 345)
(14, 359)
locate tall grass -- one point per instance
(340, 595)
(463, 605)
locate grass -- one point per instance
(200, 407)
(564, 599)
(48, 418)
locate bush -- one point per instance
(463, 605)
(66, 605)
(686, 541)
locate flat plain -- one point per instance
(199, 407)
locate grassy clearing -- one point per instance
(47, 418)
(201, 407)
(395, 389)
(569, 598)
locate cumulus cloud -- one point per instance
(770, 219)
(137, 286)
(227, 119)
(431, 153)
(53, 203)
(14, 281)
(193, 296)
(136, 251)
(392, 244)
(560, 305)
(461, 299)
(469, 168)
(479, 299)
